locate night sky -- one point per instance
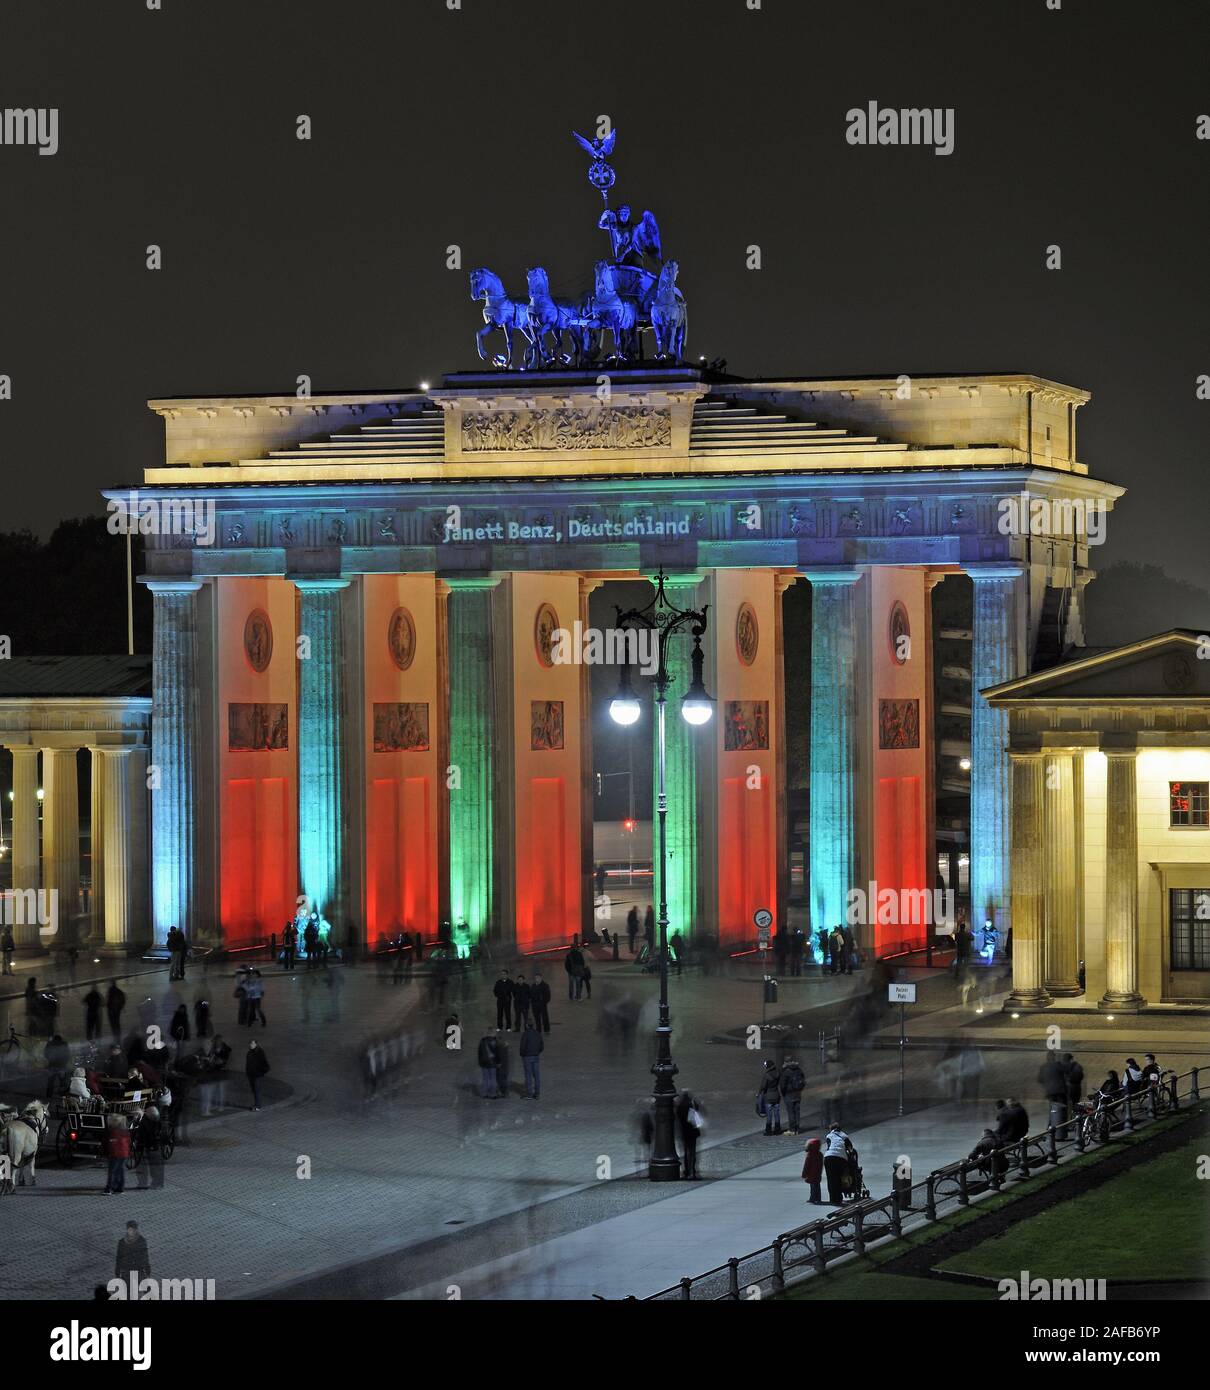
(432, 127)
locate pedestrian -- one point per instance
(962, 945)
(676, 944)
(335, 982)
(836, 1163)
(796, 949)
(1074, 1073)
(256, 998)
(587, 978)
(1053, 1081)
(7, 947)
(836, 950)
(573, 963)
(502, 1061)
(1151, 1068)
(115, 1002)
(812, 1169)
(632, 927)
(178, 1029)
(117, 1151)
(522, 999)
(531, 1054)
(58, 1060)
(132, 1256)
(970, 1072)
(792, 1083)
(1132, 1077)
(540, 1001)
(849, 952)
(311, 942)
(688, 1112)
(769, 1096)
(600, 880)
(488, 1089)
(92, 1013)
(289, 943)
(649, 928)
(256, 1067)
(201, 1017)
(503, 990)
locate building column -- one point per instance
(1121, 884)
(1028, 882)
(112, 767)
(61, 842)
(26, 867)
(681, 754)
(174, 733)
(1061, 958)
(997, 655)
(835, 744)
(96, 837)
(322, 770)
(473, 751)
(587, 801)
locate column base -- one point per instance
(1063, 991)
(1027, 999)
(1114, 1003)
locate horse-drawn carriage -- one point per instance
(83, 1125)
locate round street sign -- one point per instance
(763, 917)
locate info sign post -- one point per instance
(763, 920)
(903, 995)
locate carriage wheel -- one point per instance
(135, 1157)
(168, 1145)
(64, 1150)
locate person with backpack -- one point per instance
(769, 1098)
(792, 1083)
(688, 1113)
(488, 1060)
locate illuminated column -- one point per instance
(96, 837)
(997, 656)
(1059, 903)
(835, 744)
(322, 801)
(111, 766)
(681, 780)
(587, 849)
(26, 875)
(472, 753)
(61, 841)
(174, 682)
(1028, 881)
(1121, 884)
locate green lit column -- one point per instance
(472, 756)
(322, 821)
(682, 757)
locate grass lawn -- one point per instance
(1152, 1222)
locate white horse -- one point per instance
(19, 1139)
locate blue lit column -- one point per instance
(322, 824)
(835, 743)
(174, 724)
(997, 655)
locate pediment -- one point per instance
(1171, 666)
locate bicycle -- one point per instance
(10, 1049)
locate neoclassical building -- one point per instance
(354, 695)
(1110, 759)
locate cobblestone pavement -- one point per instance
(425, 1177)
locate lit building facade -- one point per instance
(355, 698)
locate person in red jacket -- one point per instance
(117, 1151)
(812, 1170)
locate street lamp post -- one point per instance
(665, 619)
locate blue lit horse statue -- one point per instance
(499, 311)
(613, 311)
(557, 317)
(669, 315)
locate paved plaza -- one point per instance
(424, 1186)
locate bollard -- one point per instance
(902, 1186)
(817, 1239)
(1079, 1133)
(686, 1287)
(859, 1231)
(1023, 1167)
(779, 1276)
(1193, 1091)
(964, 1196)
(733, 1279)
(615, 945)
(1128, 1122)
(1052, 1152)
(930, 1197)
(896, 1216)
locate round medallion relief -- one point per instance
(747, 634)
(258, 640)
(900, 633)
(401, 638)
(1178, 673)
(546, 624)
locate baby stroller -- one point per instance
(852, 1184)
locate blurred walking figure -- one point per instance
(676, 944)
(334, 979)
(92, 1013)
(311, 942)
(117, 1151)
(792, 1083)
(573, 963)
(178, 1029)
(970, 1072)
(812, 1169)
(201, 1017)
(649, 927)
(488, 1057)
(643, 1125)
(1053, 1081)
(503, 990)
(769, 1098)
(256, 996)
(632, 927)
(540, 1001)
(850, 949)
(289, 944)
(256, 1067)
(587, 978)
(836, 951)
(1074, 1073)
(522, 995)
(689, 1121)
(531, 1053)
(502, 1061)
(7, 947)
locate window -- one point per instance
(1189, 803)
(1189, 927)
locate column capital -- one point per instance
(993, 571)
(685, 579)
(469, 582)
(837, 575)
(1122, 746)
(171, 586)
(587, 584)
(783, 580)
(319, 586)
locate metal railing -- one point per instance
(811, 1248)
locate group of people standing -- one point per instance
(518, 1001)
(493, 1058)
(777, 1086)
